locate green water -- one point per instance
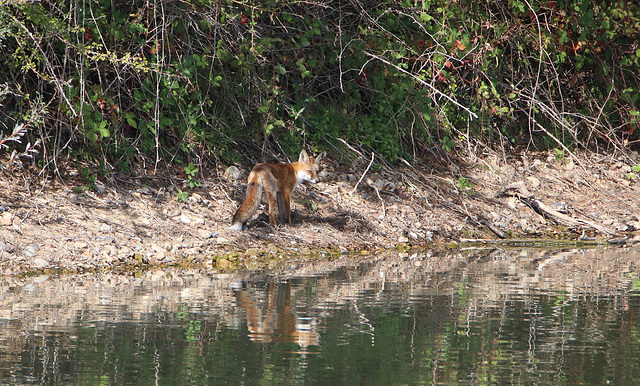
(466, 317)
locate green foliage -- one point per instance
(633, 174)
(310, 205)
(12, 140)
(447, 144)
(466, 185)
(182, 196)
(192, 175)
(129, 80)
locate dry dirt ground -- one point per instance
(129, 222)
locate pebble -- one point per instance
(191, 251)
(31, 250)
(624, 168)
(160, 254)
(173, 213)
(87, 255)
(40, 263)
(198, 220)
(533, 182)
(559, 206)
(622, 228)
(5, 247)
(6, 219)
(100, 188)
(635, 225)
(429, 236)
(109, 250)
(206, 234)
(184, 219)
(195, 198)
(185, 244)
(232, 173)
(147, 191)
(78, 245)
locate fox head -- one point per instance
(308, 167)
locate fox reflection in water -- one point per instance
(277, 322)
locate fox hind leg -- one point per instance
(282, 213)
(272, 197)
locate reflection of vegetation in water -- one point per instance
(193, 331)
(499, 319)
(636, 283)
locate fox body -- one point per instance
(278, 181)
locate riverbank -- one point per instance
(127, 222)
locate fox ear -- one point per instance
(319, 158)
(304, 157)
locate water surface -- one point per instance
(486, 316)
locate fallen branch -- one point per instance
(497, 231)
(363, 174)
(563, 219)
(519, 190)
(477, 219)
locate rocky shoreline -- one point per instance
(129, 223)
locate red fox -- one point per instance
(278, 180)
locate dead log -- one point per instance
(519, 190)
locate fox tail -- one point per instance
(248, 207)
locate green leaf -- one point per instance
(165, 121)
(280, 70)
(132, 122)
(425, 18)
